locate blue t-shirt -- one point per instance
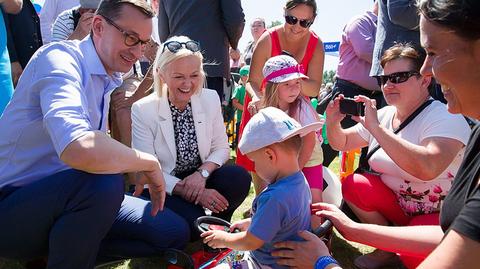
(279, 213)
(6, 86)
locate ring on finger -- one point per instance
(213, 203)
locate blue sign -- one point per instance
(331, 46)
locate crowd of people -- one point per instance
(113, 138)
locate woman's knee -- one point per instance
(352, 186)
(359, 189)
(231, 178)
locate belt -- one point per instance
(354, 86)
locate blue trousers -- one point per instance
(74, 217)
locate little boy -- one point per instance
(238, 96)
(271, 139)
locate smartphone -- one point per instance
(350, 107)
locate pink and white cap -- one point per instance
(282, 68)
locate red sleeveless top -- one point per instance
(242, 160)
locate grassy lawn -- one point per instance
(344, 251)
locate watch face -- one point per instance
(204, 173)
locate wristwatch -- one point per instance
(203, 172)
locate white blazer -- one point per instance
(152, 130)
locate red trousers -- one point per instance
(369, 193)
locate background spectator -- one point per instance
(257, 27)
(235, 63)
(216, 24)
(238, 97)
(397, 23)
(22, 44)
(50, 11)
(75, 23)
(352, 77)
(6, 85)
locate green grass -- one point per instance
(344, 251)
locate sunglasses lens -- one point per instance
(291, 20)
(396, 78)
(192, 46)
(173, 46)
(400, 78)
(305, 23)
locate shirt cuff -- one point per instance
(170, 182)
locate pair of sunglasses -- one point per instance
(174, 46)
(396, 78)
(292, 20)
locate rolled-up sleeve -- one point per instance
(61, 99)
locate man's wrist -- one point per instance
(324, 261)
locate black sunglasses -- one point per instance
(130, 40)
(174, 46)
(292, 20)
(396, 78)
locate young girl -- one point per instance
(282, 86)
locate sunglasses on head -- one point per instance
(174, 46)
(396, 78)
(292, 20)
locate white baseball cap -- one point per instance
(269, 126)
(282, 68)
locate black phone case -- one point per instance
(350, 107)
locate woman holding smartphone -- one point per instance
(411, 169)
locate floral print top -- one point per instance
(416, 196)
(188, 156)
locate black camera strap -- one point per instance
(364, 162)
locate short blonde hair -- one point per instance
(165, 57)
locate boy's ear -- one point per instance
(271, 154)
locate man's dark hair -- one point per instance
(462, 16)
(111, 8)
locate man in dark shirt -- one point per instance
(216, 24)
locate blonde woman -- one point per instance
(182, 125)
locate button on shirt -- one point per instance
(63, 93)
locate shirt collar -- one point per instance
(93, 62)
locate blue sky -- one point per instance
(332, 16)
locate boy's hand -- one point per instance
(242, 225)
(215, 239)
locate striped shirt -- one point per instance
(63, 26)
